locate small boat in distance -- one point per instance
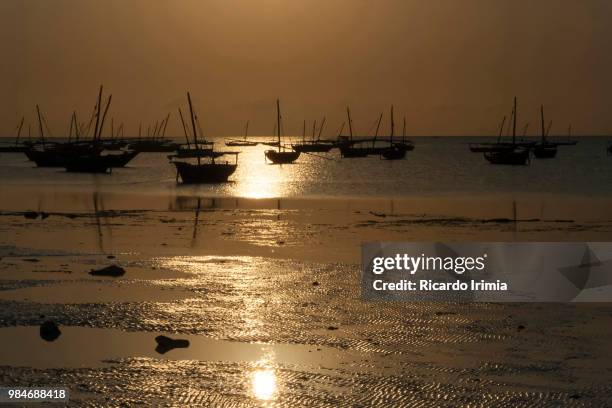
(280, 156)
(490, 147)
(209, 172)
(393, 152)
(514, 156)
(89, 157)
(314, 145)
(347, 146)
(185, 151)
(243, 142)
(568, 142)
(544, 149)
(406, 145)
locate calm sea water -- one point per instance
(438, 165)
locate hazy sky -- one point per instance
(452, 66)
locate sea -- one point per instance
(437, 166)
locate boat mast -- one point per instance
(304, 132)
(184, 128)
(165, 125)
(392, 126)
(110, 98)
(341, 129)
(542, 119)
(314, 129)
(404, 131)
(77, 132)
(19, 129)
(70, 130)
(350, 123)
(321, 129)
(378, 126)
(501, 129)
(195, 133)
(246, 130)
(155, 129)
(514, 124)
(99, 106)
(278, 120)
(40, 127)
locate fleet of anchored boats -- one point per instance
(519, 152)
(197, 161)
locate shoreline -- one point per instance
(271, 288)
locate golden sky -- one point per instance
(452, 66)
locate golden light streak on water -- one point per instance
(263, 384)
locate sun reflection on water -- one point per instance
(263, 383)
(258, 179)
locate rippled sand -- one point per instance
(269, 297)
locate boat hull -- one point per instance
(151, 147)
(240, 144)
(87, 164)
(204, 173)
(393, 153)
(545, 152)
(13, 149)
(407, 147)
(285, 157)
(513, 157)
(192, 153)
(120, 160)
(353, 152)
(46, 158)
(312, 147)
(497, 147)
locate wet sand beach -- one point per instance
(268, 294)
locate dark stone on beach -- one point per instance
(575, 396)
(280, 242)
(112, 271)
(110, 257)
(49, 331)
(165, 344)
(315, 283)
(332, 328)
(520, 327)
(382, 215)
(31, 215)
(31, 260)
